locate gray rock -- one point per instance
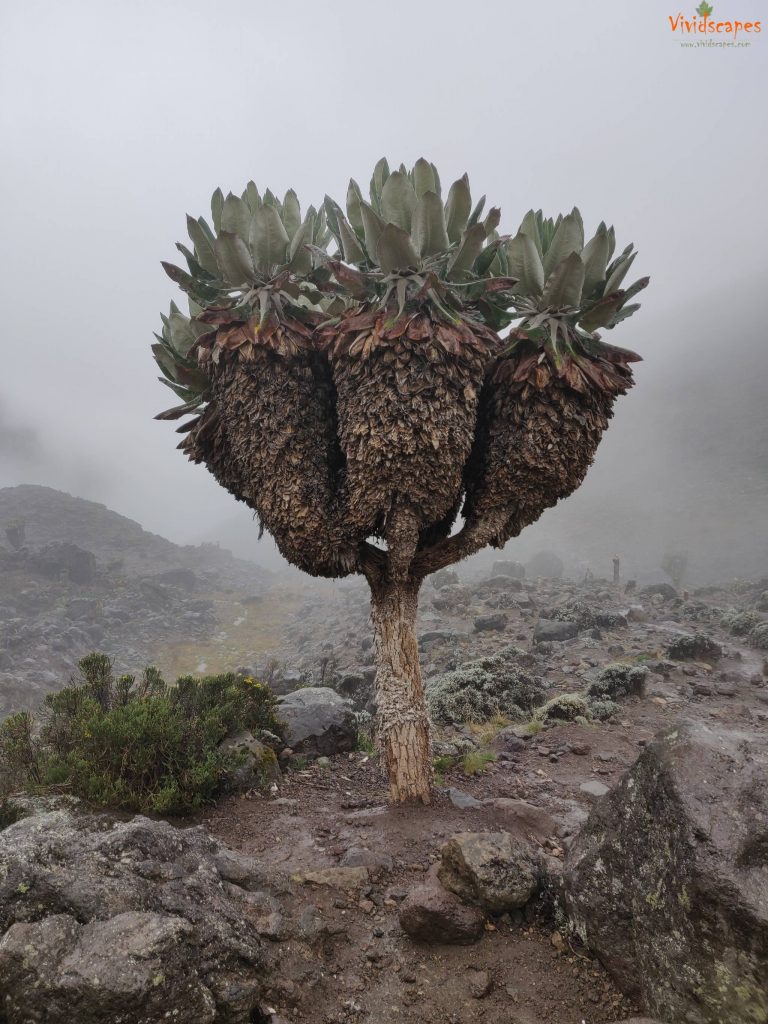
(497, 622)
(451, 596)
(432, 915)
(132, 967)
(505, 584)
(318, 721)
(666, 882)
(490, 869)
(609, 619)
(362, 857)
(462, 800)
(440, 635)
(547, 630)
(120, 920)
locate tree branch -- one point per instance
(473, 536)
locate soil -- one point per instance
(525, 970)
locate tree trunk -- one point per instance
(404, 735)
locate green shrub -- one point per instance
(141, 745)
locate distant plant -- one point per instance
(138, 744)
(476, 761)
(758, 637)
(741, 623)
(366, 743)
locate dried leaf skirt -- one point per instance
(269, 437)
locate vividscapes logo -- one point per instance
(722, 33)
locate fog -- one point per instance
(119, 119)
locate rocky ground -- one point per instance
(331, 906)
(328, 816)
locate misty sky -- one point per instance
(118, 118)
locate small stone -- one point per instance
(480, 984)
(462, 800)
(725, 689)
(594, 788)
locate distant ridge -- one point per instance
(54, 516)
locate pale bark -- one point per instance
(403, 720)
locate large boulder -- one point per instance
(490, 869)
(61, 559)
(667, 881)
(495, 622)
(547, 630)
(545, 563)
(318, 720)
(120, 921)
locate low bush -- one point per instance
(565, 708)
(741, 623)
(137, 744)
(619, 680)
(483, 689)
(696, 647)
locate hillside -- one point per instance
(76, 576)
(51, 516)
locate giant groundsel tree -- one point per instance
(346, 376)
